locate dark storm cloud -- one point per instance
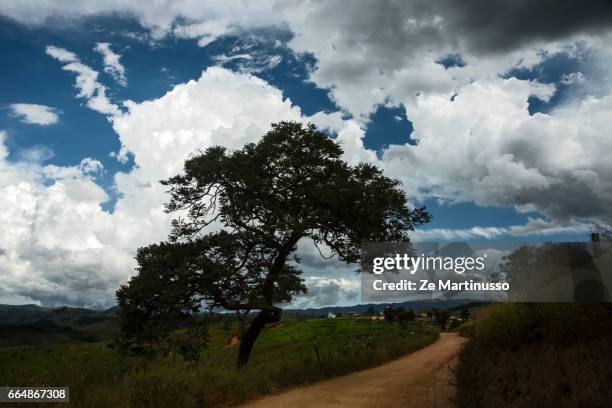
(496, 26)
(58, 281)
(390, 29)
(571, 193)
(569, 197)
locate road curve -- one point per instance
(421, 379)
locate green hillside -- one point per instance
(26, 325)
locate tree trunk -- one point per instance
(270, 314)
(264, 317)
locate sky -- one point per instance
(493, 114)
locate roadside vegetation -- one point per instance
(289, 353)
(546, 354)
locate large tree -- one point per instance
(291, 185)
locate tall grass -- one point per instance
(525, 355)
(299, 353)
(179, 384)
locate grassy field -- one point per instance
(294, 352)
(526, 355)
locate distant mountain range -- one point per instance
(379, 307)
(36, 325)
(31, 314)
(11, 315)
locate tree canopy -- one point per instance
(240, 215)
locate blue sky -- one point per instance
(33, 77)
(500, 140)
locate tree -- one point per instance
(292, 185)
(389, 314)
(398, 314)
(603, 231)
(404, 316)
(465, 314)
(370, 311)
(441, 317)
(530, 270)
(159, 300)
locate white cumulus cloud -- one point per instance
(35, 114)
(483, 146)
(58, 244)
(477, 141)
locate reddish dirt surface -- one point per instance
(422, 379)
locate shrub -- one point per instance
(525, 355)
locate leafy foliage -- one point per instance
(291, 185)
(547, 354)
(441, 317)
(603, 231)
(530, 267)
(399, 314)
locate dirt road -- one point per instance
(421, 379)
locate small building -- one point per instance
(330, 315)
